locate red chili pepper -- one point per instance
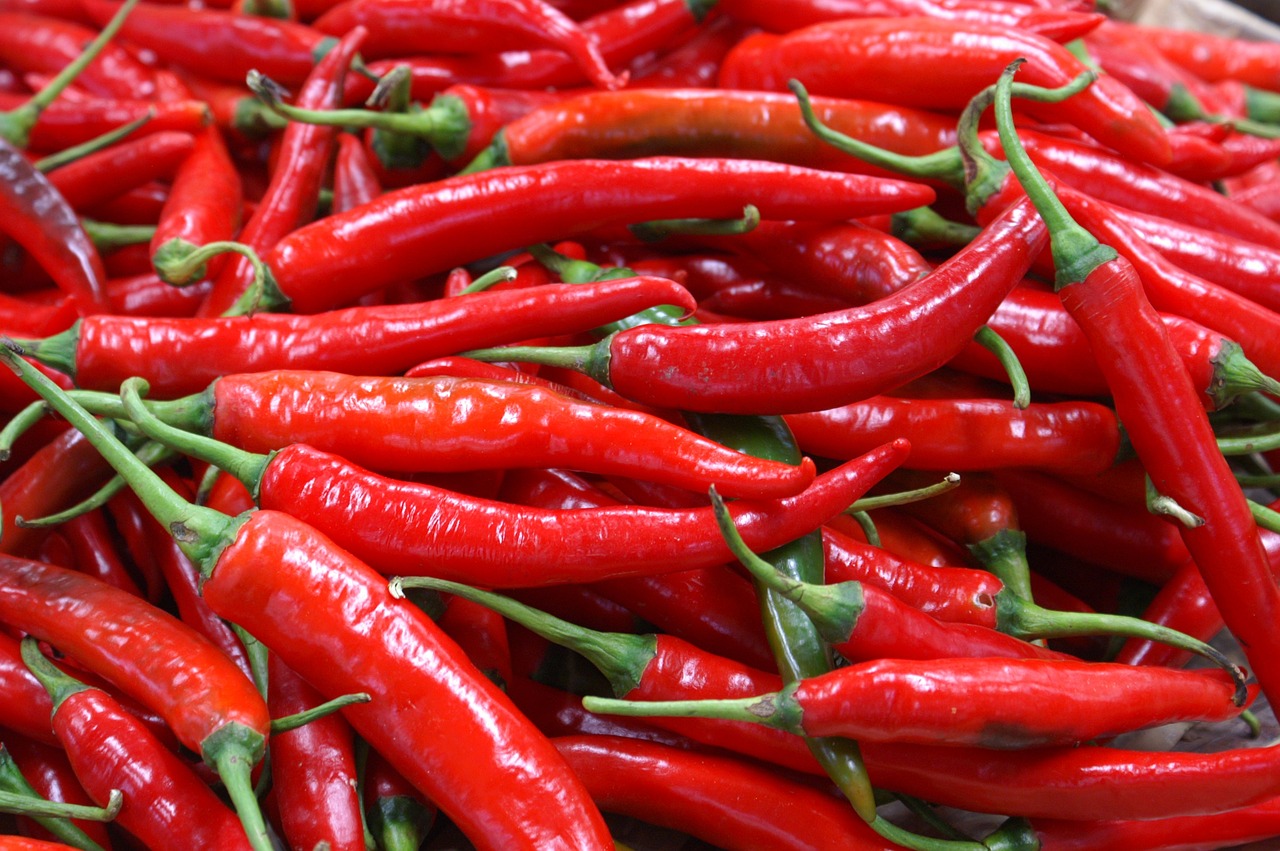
(623, 33)
(1164, 420)
(1216, 57)
(884, 59)
(204, 200)
(354, 180)
(407, 233)
(220, 44)
(65, 124)
(313, 769)
(45, 45)
(435, 424)
(710, 122)
(1061, 25)
(820, 361)
(733, 803)
(49, 772)
(35, 215)
(400, 28)
(103, 175)
(96, 553)
(560, 713)
(966, 702)
(714, 608)
(482, 634)
(696, 62)
(183, 355)
(292, 196)
(968, 433)
(165, 800)
(64, 470)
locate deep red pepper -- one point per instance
(407, 233)
(400, 28)
(966, 702)
(1058, 24)
(63, 471)
(183, 355)
(715, 609)
(884, 59)
(447, 424)
(1215, 57)
(1163, 418)
(64, 124)
(696, 62)
(165, 801)
(101, 176)
(96, 552)
(293, 195)
(482, 634)
(147, 295)
(50, 773)
(355, 181)
(45, 45)
(733, 803)
(219, 44)
(968, 433)
(820, 361)
(204, 200)
(313, 769)
(36, 216)
(472, 742)
(624, 33)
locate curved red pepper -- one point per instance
(410, 232)
(183, 355)
(45, 45)
(101, 176)
(885, 59)
(204, 198)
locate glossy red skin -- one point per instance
(985, 702)
(1056, 356)
(717, 122)
(1103, 175)
(967, 434)
(1217, 58)
(472, 753)
(447, 424)
(66, 123)
(421, 229)
(47, 769)
(355, 181)
(45, 45)
(36, 216)
(103, 175)
(890, 628)
(409, 529)
(1058, 24)
(26, 705)
(737, 805)
(951, 594)
(96, 553)
(824, 361)
(412, 28)
(313, 768)
(143, 651)
(147, 295)
(297, 174)
(884, 59)
(59, 474)
(218, 43)
(1259, 822)
(204, 197)
(180, 356)
(624, 33)
(166, 804)
(482, 634)
(714, 608)
(1163, 418)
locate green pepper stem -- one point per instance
(401, 822)
(200, 532)
(1027, 620)
(778, 710)
(56, 681)
(1266, 518)
(1158, 503)
(592, 360)
(923, 226)
(500, 275)
(286, 723)
(232, 751)
(108, 237)
(869, 503)
(990, 339)
(12, 782)
(660, 229)
(1005, 554)
(1076, 252)
(150, 453)
(15, 126)
(834, 609)
(620, 657)
(97, 143)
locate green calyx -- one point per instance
(1005, 555)
(621, 657)
(778, 710)
(232, 751)
(1076, 252)
(58, 683)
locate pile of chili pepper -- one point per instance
(749, 424)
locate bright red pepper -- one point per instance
(101, 176)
